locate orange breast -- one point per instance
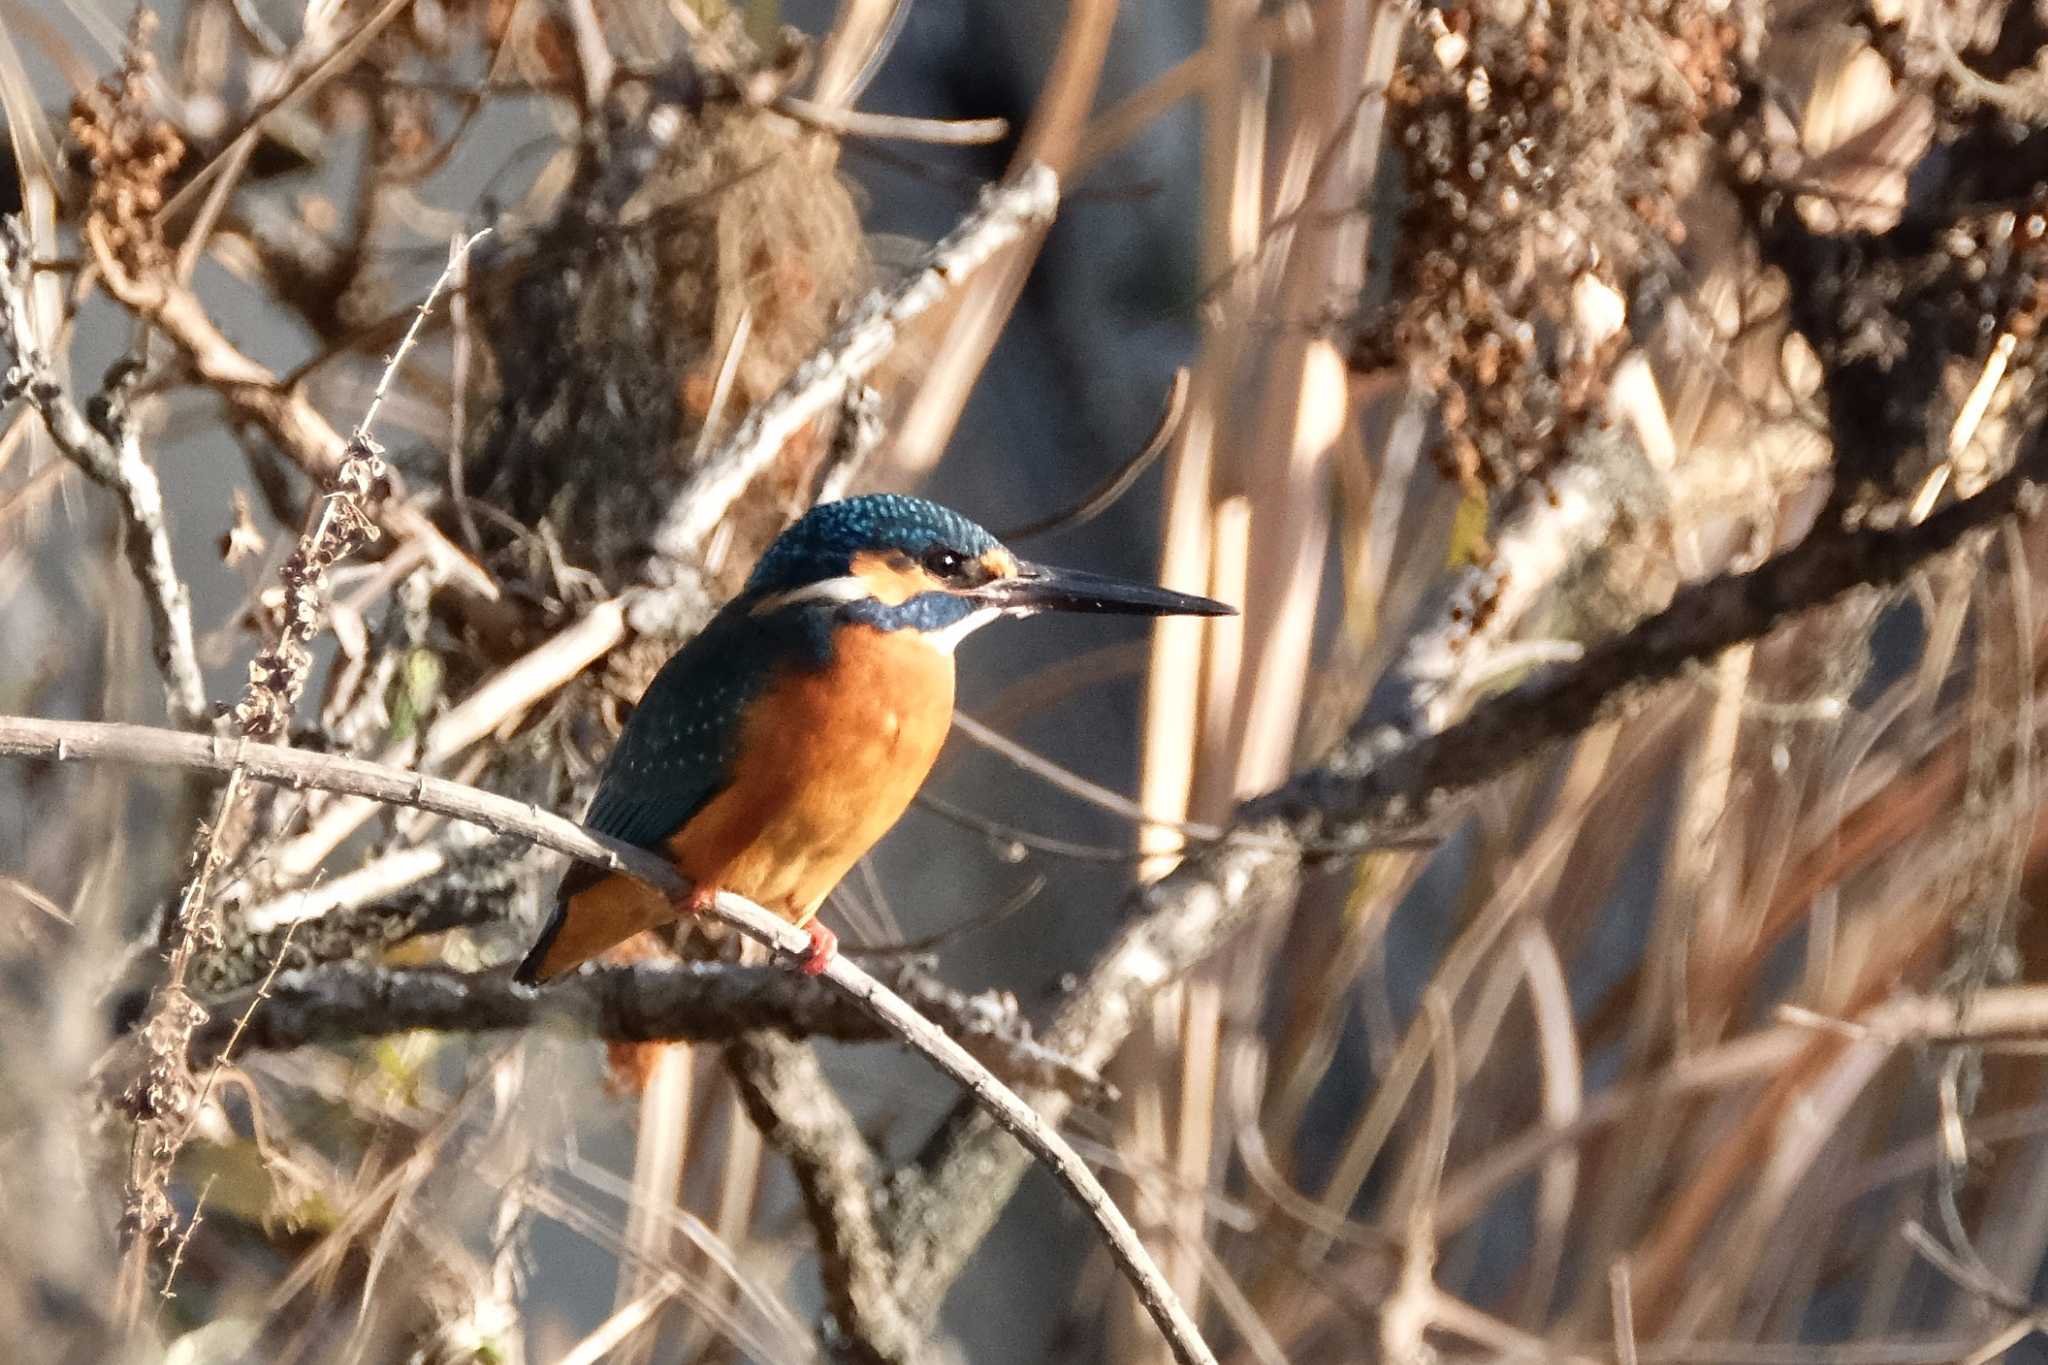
(828, 761)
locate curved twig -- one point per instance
(1106, 494)
(66, 740)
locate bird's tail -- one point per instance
(631, 1065)
(592, 913)
(531, 968)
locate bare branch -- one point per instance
(113, 459)
(656, 1001)
(1007, 211)
(1371, 792)
(796, 1109)
(665, 1001)
(1466, 627)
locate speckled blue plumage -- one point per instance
(822, 543)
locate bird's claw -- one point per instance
(824, 943)
(697, 901)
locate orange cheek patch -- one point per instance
(891, 584)
(999, 563)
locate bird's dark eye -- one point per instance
(945, 564)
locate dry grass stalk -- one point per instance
(163, 1099)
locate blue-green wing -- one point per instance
(682, 742)
(680, 745)
(676, 753)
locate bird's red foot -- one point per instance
(699, 900)
(824, 943)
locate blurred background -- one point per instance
(1706, 1034)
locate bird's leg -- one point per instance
(697, 901)
(824, 943)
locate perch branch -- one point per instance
(332, 772)
(111, 456)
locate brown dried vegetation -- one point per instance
(1546, 154)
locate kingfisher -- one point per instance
(787, 737)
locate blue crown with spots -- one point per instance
(822, 543)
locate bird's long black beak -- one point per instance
(1039, 587)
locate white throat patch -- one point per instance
(948, 639)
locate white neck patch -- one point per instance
(948, 639)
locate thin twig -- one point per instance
(940, 132)
(110, 453)
(503, 696)
(1075, 785)
(458, 399)
(458, 255)
(1622, 1311)
(1106, 494)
